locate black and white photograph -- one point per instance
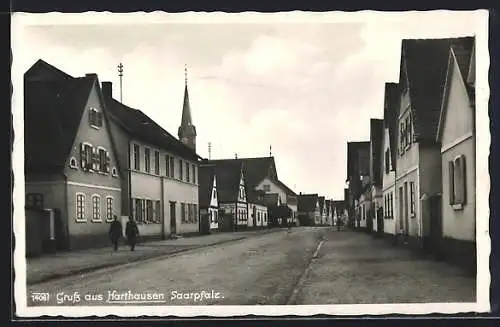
(227, 164)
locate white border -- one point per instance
(105, 18)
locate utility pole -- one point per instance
(120, 74)
(209, 150)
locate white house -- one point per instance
(455, 227)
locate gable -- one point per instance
(242, 196)
(42, 70)
(94, 132)
(457, 114)
(213, 196)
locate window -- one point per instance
(34, 201)
(180, 170)
(137, 157)
(187, 172)
(157, 162)
(104, 160)
(265, 217)
(147, 160)
(183, 212)
(109, 208)
(86, 156)
(96, 208)
(80, 207)
(194, 174)
(172, 167)
(457, 182)
(157, 212)
(95, 118)
(72, 163)
(167, 165)
(412, 198)
(114, 172)
(149, 212)
(138, 210)
(267, 188)
(195, 212)
(387, 161)
(391, 205)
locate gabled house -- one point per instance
(160, 173)
(232, 193)
(423, 73)
(328, 208)
(321, 217)
(286, 197)
(455, 228)
(208, 199)
(389, 150)
(258, 210)
(308, 209)
(376, 166)
(339, 211)
(71, 165)
(358, 171)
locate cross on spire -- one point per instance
(270, 151)
(185, 74)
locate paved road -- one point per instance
(257, 270)
(354, 268)
(271, 269)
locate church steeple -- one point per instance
(187, 131)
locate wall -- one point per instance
(34, 235)
(96, 137)
(430, 176)
(90, 233)
(413, 220)
(179, 191)
(122, 143)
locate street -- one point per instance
(274, 268)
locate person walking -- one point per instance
(115, 232)
(132, 231)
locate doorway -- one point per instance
(173, 219)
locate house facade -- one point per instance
(208, 199)
(391, 106)
(285, 196)
(308, 209)
(232, 193)
(358, 154)
(418, 166)
(71, 167)
(456, 134)
(376, 164)
(160, 173)
(258, 210)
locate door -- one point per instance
(380, 221)
(173, 219)
(407, 225)
(435, 224)
(254, 215)
(401, 210)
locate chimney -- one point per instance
(300, 193)
(93, 75)
(107, 89)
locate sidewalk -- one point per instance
(63, 264)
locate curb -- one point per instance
(85, 270)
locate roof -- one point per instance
(358, 158)
(376, 139)
(307, 202)
(321, 202)
(288, 191)
(338, 204)
(52, 111)
(228, 173)
(328, 206)
(41, 70)
(462, 53)
(255, 170)
(206, 174)
(426, 61)
(391, 109)
(139, 125)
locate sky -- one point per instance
(305, 88)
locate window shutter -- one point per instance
(451, 175)
(99, 119)
(108, 161)
(83, 162)
(463, 179)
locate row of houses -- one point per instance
(415, 177)
(89, 158)
(316, 210)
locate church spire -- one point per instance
(187, 131)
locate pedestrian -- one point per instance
(132, 231)
(115, 232)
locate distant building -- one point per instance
(376, 167)
(389, 148)
(232, 193)
(457, 135)
(358, 172)
(208, 199)
(308, 209)
(71, 167)
(320, 219)
(160, 173)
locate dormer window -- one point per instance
(95, 118)
(73, 163)
(114, 172)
